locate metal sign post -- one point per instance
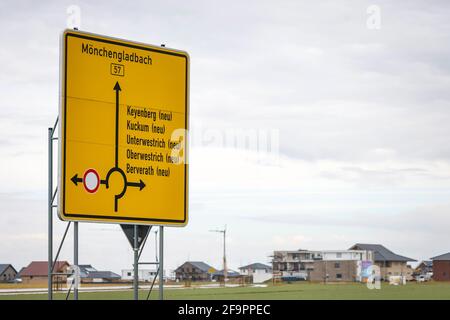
(161, 263)
(136, 266)
(50, 209)
(75, 259)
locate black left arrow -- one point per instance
(139, 184)
(75, 179)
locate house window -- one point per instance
(129, 274)
(338, 276)
(339, 255)
(337, 265)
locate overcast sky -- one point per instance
(360, 109)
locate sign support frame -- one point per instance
(52, 194)
(51, 198)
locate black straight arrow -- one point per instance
(139, 184)
(117, 89)
(75, 179)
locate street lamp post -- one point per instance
(225, 270)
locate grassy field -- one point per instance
(298, 291)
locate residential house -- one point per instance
(441, 267)
(101, 277)
(195, 271)
(85, 269)
(37, 272)
(424, 268)
(324, 265)
(390, 263)
(257, 271)
(219, 275)
(7, 273)
(89, 274)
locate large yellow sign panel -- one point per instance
(124, 114)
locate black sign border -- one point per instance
(118, 218)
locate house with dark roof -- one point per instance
(194, 271)
(425, 267)
(37, 272)
(390, 263)
(89, 274)
(85, 269)
(441, 267)
(102, 276)
(7, 273)
(219, 275)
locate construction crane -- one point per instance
(225, 270)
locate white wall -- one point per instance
(144, 274)
(347, 255)
(259, 276)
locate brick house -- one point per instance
(334, 271)
(390, 263)
(441, 267)
(37, 272)
(324, 265)
(195, 271)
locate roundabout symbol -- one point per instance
(91, 179)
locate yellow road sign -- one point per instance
(123, 122)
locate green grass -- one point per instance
(297, 291)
